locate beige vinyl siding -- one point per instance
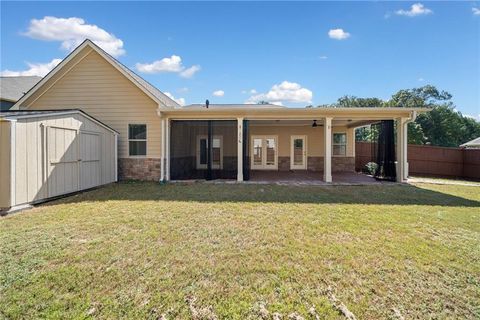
(34, 174)
(315, 140)
(96, 87)
(5, 164)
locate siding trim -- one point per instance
(13, 167)
(116, 158)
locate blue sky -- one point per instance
(291, 53)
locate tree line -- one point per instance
(442, 126)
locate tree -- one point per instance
(442, 126)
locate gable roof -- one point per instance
(475, 143)
(22, 114)
(150, 90)
(13, 88)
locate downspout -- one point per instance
(162, 145)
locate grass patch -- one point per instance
(140, 250)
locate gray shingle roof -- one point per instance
(13, 88)
(234, 105)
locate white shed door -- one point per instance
(62, 161)
(90, 150)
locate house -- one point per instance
(13, 88)
(472, 144)
(161, 140)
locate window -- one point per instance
(202, 151)
(340, 144)
(137, 139)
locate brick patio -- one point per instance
(311, 178)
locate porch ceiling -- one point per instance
(338, 114)
(350, 123)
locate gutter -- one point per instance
(412, 118)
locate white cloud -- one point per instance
(172, 64)
(35, 69)
(338, 34)
(476, 11)
(323, 57)
(284, 92)
(73, 31)
(421, 79)
(180, 101)
(189, 72)
(218, 93)
(183, 90)
(416, 9)
(251, 91)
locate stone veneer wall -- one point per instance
(343, 164)
(139, 169)
(283, 163)
(316, 164)
(149, 168)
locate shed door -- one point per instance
(90, 150)
(62, 161)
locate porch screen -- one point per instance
(203, 150)
(246, 151)
(383, 149)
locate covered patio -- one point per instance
(274, 144)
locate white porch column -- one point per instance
(162, 157)
(402, 164)
(240, 149)
(167, 149)
(327, 158)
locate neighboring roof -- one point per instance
(141, 83)
(21, 114)
(475, 143)
(234, 105)
(13, 88)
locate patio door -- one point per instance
(264, 153)
(298, 153)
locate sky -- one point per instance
(290, 53)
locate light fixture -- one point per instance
(314, 124)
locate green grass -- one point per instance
(139, 250)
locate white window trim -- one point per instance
(205, 166)
(146, 140)
(305, 152)
(263, 166)
(340, 144)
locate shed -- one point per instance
(46, 154)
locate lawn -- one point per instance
(144, 250)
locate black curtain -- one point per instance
(203, 149)
(383, 150)
(246, 151)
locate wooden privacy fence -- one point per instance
(430, 161)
